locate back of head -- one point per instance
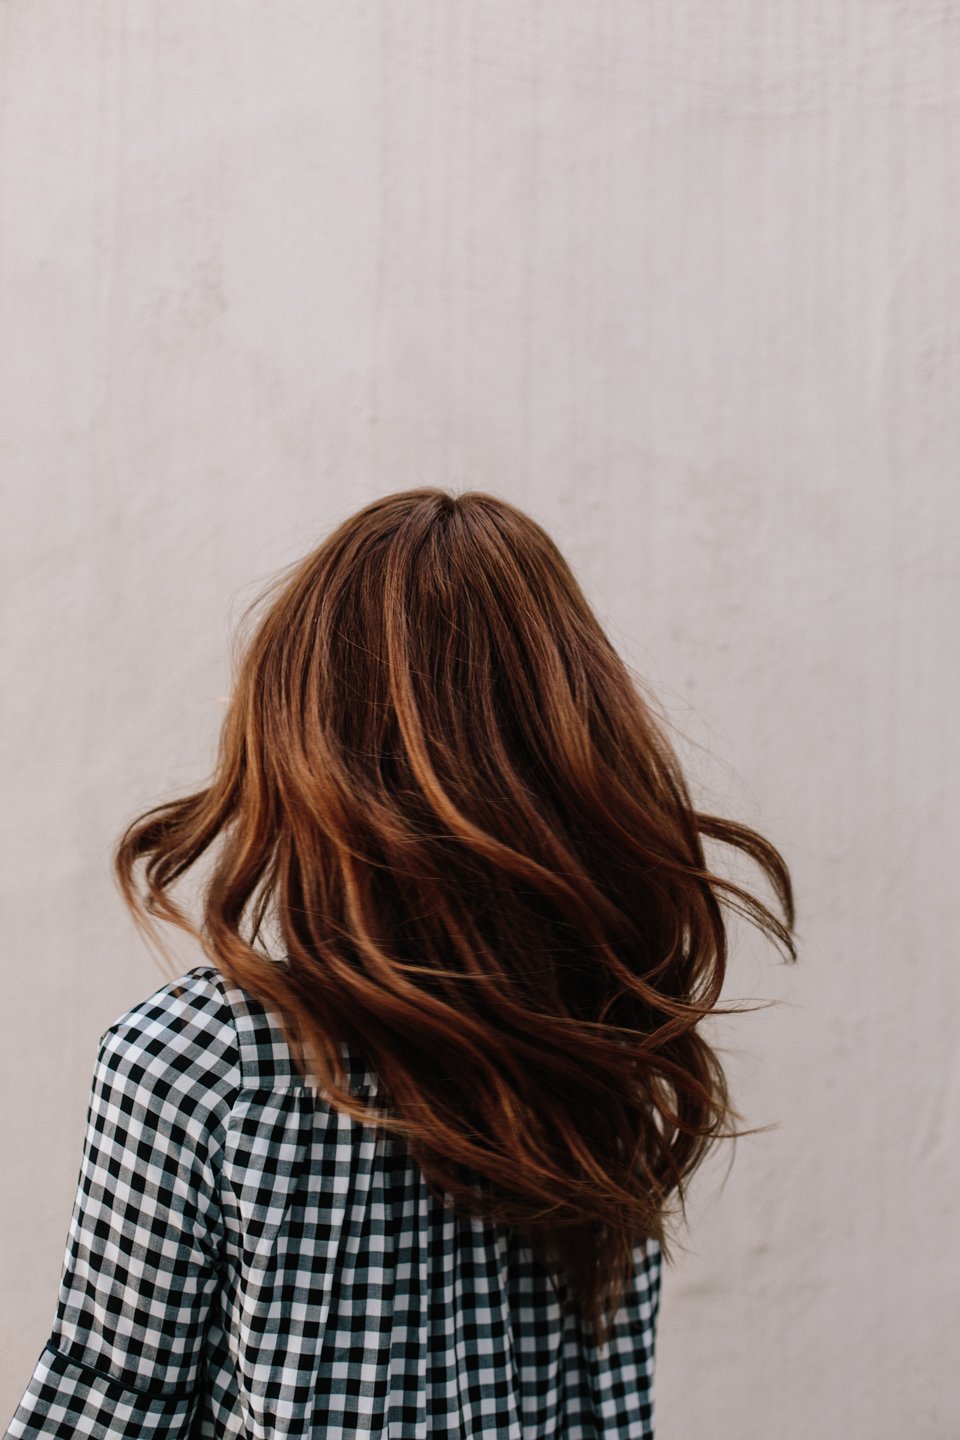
(441, 785)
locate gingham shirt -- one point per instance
(244, 1260)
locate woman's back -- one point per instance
(293, 1273)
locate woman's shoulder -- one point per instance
(173, 1057)
(204, 1023)
(198, 1022)
(183, 1014)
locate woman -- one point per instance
(407, 1170)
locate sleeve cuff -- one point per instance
(66, 1399)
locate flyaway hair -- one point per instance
(440, 787)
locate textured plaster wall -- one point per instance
(682, 280)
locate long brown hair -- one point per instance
(447, 791)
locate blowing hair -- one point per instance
(444, 789)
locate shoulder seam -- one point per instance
(212, 972)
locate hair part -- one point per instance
(442, 785)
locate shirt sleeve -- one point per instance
(141, 1268)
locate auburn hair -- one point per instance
(449, 797)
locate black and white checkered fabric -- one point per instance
(243, 1260)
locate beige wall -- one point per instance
(682, 280)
